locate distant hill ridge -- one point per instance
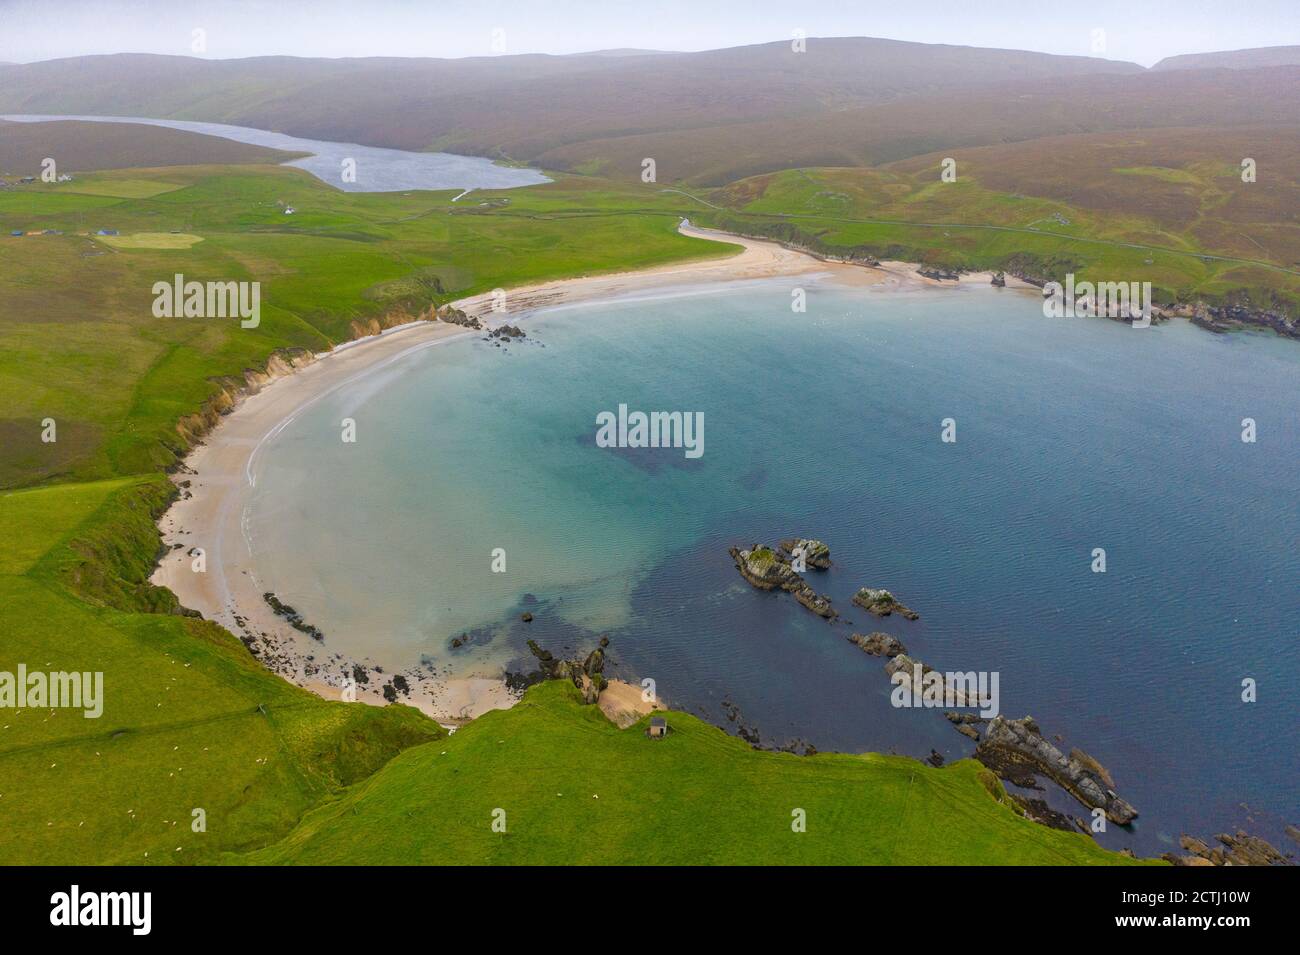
(706, 117)
(1233, 59)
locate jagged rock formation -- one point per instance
(1239, 849)
(765, 569)
(587, 675)
(882, 603)
(965, 723)
(815, 554)
(454, 316)
(878, 644)
(1015, 749)
(926, 681)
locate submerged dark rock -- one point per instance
(292, 617)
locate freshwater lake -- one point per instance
(377, 170)
(1072, 434)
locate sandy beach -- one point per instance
(218, 477)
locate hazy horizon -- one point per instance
(234, 29)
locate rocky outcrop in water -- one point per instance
(765, 569)
(1239, 849)
(1016, 749)
(882, 603)
(815, 554)
(927, 683)
(507, 331)
(878, 644)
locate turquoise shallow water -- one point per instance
(1072, 434)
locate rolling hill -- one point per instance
(706, 118)
(1233, 59)
(84, 147)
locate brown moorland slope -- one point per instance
(85, 147)
(495, 105)
(1233, 59)
(1187, 181)
(917, 125)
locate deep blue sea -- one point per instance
(1072, 434)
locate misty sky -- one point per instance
(1143, 32)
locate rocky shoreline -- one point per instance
(1013, 749)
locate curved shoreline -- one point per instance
(217, 478)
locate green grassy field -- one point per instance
(192, 721)
(573, 787)
(1187, 248)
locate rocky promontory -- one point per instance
(1016, 750)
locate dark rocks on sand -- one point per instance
(455, 316)
(999, 280)
(882, 603)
